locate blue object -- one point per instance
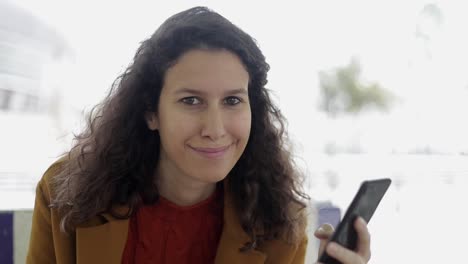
(6, 237)
(330, 215)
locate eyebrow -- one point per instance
(198, 92)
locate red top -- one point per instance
(168, 233)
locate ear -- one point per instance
(152, 120)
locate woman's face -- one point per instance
(203, 117)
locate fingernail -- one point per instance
(327, 228)
(320, 230)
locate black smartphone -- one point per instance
(364, 204)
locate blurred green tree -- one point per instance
(343, 92)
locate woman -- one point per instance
(183, 162)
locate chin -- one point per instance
(217, 178)
(212, 177)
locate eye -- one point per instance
(232, 100)
(191, 100)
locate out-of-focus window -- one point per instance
(29, 116)
(27, 47)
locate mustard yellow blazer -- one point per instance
(103, 238)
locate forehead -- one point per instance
(204, 69)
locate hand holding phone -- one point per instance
(363, 205)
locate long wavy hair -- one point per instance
(113, 160)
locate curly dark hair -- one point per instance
(113, 160)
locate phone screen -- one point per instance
(364, 204)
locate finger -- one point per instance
(324, 232)
(364, 239)
(343, 254)
(322, 245)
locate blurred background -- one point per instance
(371, 89)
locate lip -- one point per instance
(211, 152)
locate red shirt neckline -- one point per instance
(165, 232)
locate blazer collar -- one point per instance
(234, 237)
(105, 242)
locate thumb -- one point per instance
(323, 233)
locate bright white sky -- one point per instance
(299, 39)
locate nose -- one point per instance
(213, 124)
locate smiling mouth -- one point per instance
(211, 152)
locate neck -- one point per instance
(182, 190)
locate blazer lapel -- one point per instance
(234, 237)
(103, 243)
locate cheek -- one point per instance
(240, 126)
(177, 127)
